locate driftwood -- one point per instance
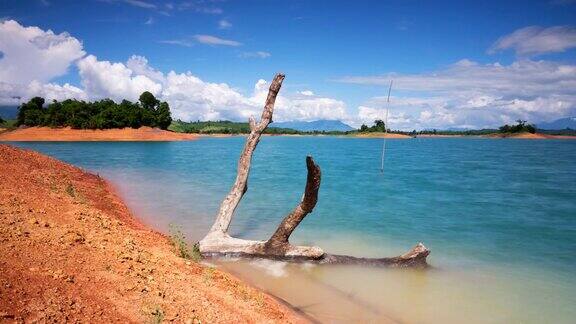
(219, 243)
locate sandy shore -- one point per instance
(72, 252)
(86, 135)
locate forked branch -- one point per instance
(279, 240)
(219, 243)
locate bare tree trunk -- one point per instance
(231, 201)
(219, 243)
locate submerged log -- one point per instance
(218, 242)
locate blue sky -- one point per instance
(343, 52)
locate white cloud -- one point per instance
(149, 21)
(224, 24)
(535, 40)
(103, 79)
(139, 66)
(32, 58)
(192, 98)
(14, 94)
(51, 91)
(213, 40)
(468, 94)
(258, 54)
(141, 4)
(304, 108)
(29, 53)
(179, 42)
(523, 77)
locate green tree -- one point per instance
(31, 113)
(148, 101)
(163, 117)
(379, 125)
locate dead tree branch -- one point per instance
(219, 243)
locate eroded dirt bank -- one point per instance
(71, 251)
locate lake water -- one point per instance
(498, 214)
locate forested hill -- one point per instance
(103, 114)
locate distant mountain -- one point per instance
(8, 112)
(317, 125)
(558, 124)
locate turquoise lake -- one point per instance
(498, 214)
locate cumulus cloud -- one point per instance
(535, 40)
(216, 41)
(468, 94)
(139, 66)
(104, 79)
(51, 54)
(13, 94)
(30, 58)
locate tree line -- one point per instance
(103, 114)
(223, 127)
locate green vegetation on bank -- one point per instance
(561, 132)
(102, 114)
(379, 126)
(8, 123)
(229, 127)
(521, 127)
(182, 247)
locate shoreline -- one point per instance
(67, 134)
(73, 251)
(148, 134)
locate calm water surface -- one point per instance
(498, 215)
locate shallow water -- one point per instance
(498, 214)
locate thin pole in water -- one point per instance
(385, 128)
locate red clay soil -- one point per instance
(72, 252)
(68, 134)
